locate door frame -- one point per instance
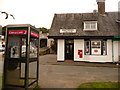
(72, 48)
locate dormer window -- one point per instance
(90, 25)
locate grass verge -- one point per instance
(37, 88)
(94, 85)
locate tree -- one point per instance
(4, 30)
(44, 30)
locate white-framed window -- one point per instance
(90, 25)
(95, 47)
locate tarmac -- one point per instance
(55, 74)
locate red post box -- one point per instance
(80, 53)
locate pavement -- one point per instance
(53, 61)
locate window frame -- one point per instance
(90, 23)
(92, 48)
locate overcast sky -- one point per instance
(40, 12)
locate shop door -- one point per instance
(69, 50)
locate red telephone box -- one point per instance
(21, 53)
(80, 53)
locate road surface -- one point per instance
(62, 76)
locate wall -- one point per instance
(60, 50)
(78, 45)
(119, 48)
(116, 51)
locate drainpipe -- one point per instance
(112, 52)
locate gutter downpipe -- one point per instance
(112, 52)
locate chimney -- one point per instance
(101, 6)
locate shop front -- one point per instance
(89, 50)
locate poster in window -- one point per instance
(96, 47)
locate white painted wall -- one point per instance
(60, 49)
(78, 45)
(116, 55)
(119, 49)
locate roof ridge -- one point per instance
(86, 13)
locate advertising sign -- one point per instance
(17, 32)
(34, 34)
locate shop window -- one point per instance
(87, 47)
(95, 47)
(104, 47)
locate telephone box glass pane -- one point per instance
(23, 48)
(34, 39)
(14, 47)
(16, 42)
(33, 48)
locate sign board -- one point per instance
(67, 30)
(34, 34)
(17, 32)
(22, 32)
